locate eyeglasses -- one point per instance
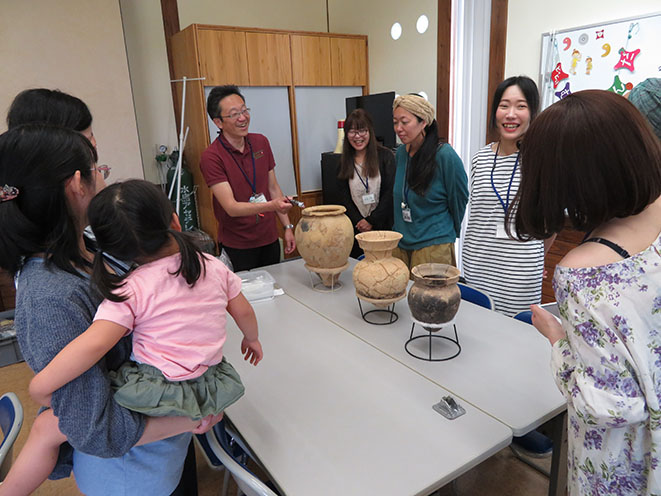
(103, 169)
(357, 132)
(235, 115)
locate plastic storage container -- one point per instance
(257, 285)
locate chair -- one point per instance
(11, 420)
(222, 450)
(524, 316)
(476, 296)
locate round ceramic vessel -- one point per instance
(324, 238)
(380, 278)
(434, 297)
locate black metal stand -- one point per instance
(389, 312)
(430, 336)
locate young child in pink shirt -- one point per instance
(174, 304)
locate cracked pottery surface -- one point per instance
(380, 276)
(324, 238)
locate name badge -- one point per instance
(368, 199)
(501, 233)
(260, 198)
(406, 215)
(258, 154)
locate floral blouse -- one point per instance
(609, 369)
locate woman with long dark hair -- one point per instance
(366, 176)
(593, 158)
(508, 270)
(430, 191)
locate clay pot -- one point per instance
(434, 297)
(380, 278)
(324, 238)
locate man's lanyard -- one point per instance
(252, 184)
(506, 204)
(366, 182)
(405, 186)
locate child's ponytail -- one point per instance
(192, 257)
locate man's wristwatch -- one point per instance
(289, 226)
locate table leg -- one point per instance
(558, 478)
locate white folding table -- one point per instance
(328, 414)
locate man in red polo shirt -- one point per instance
(239, 168)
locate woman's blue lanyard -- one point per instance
(405, 186)
(366, 182)
(252, 184)
(506, 204)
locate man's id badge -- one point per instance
(406, 215)
(258, 198)
(369, 199)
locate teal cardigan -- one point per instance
(438, 214)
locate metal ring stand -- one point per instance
(321, 287)
(389, 310)
(430, 336)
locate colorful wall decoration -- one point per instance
(614, 56)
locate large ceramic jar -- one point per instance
(380, 278)
(434, 297)
(324, 238)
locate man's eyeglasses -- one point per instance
(357, 132)
(103, 169)
(235, 115)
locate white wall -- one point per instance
(76, 46)
(150, 79)
(528, 19)
(407, 65)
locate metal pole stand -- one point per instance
(431, 336)
(381, 313)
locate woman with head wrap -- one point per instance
(431, 189)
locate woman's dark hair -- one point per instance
(38, 159)
(216, 95)
(527, 87)
(591, 154)
(423, 164)
(49, 106)
(359, 119)
(131, 221)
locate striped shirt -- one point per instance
(508, 270)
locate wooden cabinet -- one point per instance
(348, 62)
(258, 57)
(269, 59)
(311, 60)
(223, 57)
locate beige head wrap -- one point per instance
(417, 105)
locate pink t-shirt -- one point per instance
(178, 329)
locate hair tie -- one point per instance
(8, 193)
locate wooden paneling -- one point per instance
(310, 57)
(566, 240)
(7, 291)
(443, 65)
(170, 14)
(348, 61)
(269, 59)
(223, 57)
(497, 44)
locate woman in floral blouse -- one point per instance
(593, 157)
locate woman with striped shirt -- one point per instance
(510, 271)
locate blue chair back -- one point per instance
(11, 420)
(525, 316)
(476, 296)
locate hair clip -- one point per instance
(8, 193)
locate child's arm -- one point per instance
(244, 316)
(75, 358)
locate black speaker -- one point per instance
(330, 165)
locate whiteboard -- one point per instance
(318, 108)
(269, 115)
(589, 57)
